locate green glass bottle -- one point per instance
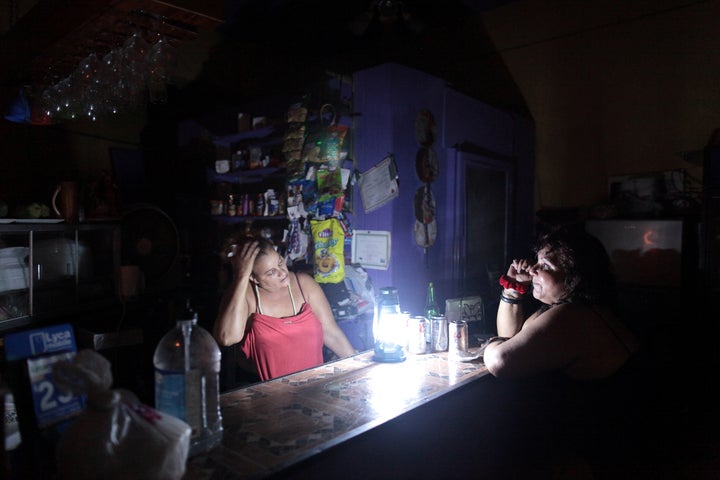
(431, 309)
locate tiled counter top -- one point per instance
(272, 425)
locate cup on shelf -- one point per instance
(66, 202)
(222, 166)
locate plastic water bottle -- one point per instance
(187, 367)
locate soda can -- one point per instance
(416, 335)
(458, 337)
(439, 333)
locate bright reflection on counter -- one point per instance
(395, 386)
(271, 425)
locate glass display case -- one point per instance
(52, 269)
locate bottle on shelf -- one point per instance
(237, 160)
(187, 367)
(431, 310)
(260, 205)
(245, 205)
(231, 207)
(271, 203)
(11, 448)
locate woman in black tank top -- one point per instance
(569, 373)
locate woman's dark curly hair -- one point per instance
(589, 276)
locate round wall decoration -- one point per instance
(424, 205)
(425, 233)
(427, 169)
(426, 164)
(425, 129)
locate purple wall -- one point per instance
(388, 98)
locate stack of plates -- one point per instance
(14, 270)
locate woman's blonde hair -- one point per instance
(239, 240)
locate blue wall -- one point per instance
(388, 99)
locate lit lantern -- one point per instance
(389, 327)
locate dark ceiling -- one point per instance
(272, 45)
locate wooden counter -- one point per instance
(272, 425)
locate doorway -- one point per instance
(483, 205)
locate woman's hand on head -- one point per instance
(244, 259)
(520, 271)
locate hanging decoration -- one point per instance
(427, 169)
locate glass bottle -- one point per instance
(431, 310)
(11, 449)
(187, 367)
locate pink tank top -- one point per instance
(279, 346)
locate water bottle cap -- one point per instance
(187, 313)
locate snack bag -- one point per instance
(334, 138)
(329, 181)
(295, 137)
(328, 240)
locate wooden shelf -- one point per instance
(247, 218)
(255, 134)
(240, 177)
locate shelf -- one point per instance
(54, 227)
(240, 177)
(67, 269)
(256, 134)
(265, 132)
(246, 218)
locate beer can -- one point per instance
(416, 335)
(439, 333)
(458, 337)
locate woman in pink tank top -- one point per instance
(280, 319)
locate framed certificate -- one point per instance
(379, 185)
(371, 248)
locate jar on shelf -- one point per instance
(238, 160)
(255, 158)
(217, 207)
(231, 207)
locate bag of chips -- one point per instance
(328, 244)
(334, 138)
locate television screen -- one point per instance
(643, 252)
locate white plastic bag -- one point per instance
(116, 437)
(358, 282)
